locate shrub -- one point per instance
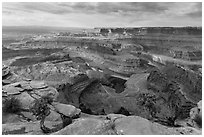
(40, 108)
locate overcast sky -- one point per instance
(102, 14)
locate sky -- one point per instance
(102, 14)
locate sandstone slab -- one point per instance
(28, 128)
(25, 99)
(38, 84)
(11, 90)
(87, 126)
(49, 91)
(134, 125)
(67, 110)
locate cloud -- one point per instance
(83, 7)
(102, 13)
(35, 7)
(119, 7)
(197, 12)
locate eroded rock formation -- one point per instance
(160, 96)
(157, 96)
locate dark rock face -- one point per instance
(165, 95)
(73, 92)
(117, 84)
(180, 89)
(188, 81)
(96, 93)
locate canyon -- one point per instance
(109, 81)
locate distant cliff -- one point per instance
(153, 30)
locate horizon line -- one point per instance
(97, 27)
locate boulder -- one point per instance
(65, 109)
(5, 82)
(53, 116)
(4, 94)
(25, 99)
(48, 91)
(196, 115)
(28, 116)
(15, 84)
(38, 84)
(26, 85)
(134, 125)
(88, 126)
(5, 70)
(26, 93)
(117, 124)
(199, 104)
(28, 128)
(10, 118)
(13, 129)
(11, 90)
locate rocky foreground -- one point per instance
(162, 102)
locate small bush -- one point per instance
(11, 105)
(40, 108)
